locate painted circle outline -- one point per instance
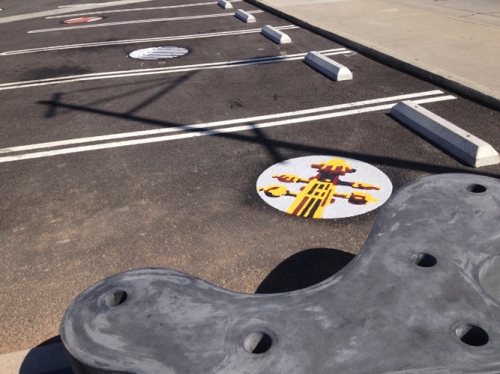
(340, 208)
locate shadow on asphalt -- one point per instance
(272, 146)
(304, 269)
(47, 357)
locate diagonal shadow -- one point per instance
(272, 144)
(264, 140)
(52, 109)
(160, 93)
(56, 98)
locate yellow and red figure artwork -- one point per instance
(327, 193)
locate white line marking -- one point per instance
(208, 132)
(173, 69)
(136, 41)
(105, 4)
(138, 9)
(218, 123)
(66, 10)
(77, 5)
(140, 21)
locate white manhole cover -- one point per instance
(324, 187)
(82, 20)
(158, 53)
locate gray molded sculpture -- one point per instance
(412, 301)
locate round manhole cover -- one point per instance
(158, 53)
(82, 20)
(324, 187)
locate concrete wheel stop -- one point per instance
(422, 296)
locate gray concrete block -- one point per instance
(420, 297)
(225, 4)
(244, 16)
(467, 147)
(275, 35)
(327, 66)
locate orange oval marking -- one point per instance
(82, 20)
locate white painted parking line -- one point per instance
(146, 40)
(139, 21)
(193, 131)
(140, 9)
(108, 3)
(45, 13)
(220, 123)
(76, 5)
(168, 70)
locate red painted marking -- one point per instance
(326, 199)
(300, 206)
(82, 20)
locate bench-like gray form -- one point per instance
(422, 296)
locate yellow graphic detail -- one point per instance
(320, 190)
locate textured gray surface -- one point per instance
(383, 313)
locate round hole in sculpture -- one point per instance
(115, 298)
(476, 188)
(472, 335)
(257, 342)
(424, 260)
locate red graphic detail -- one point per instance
(81, 20)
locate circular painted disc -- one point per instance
(82, 20)
(158, 53)
(324, 187)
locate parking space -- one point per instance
(110, 163)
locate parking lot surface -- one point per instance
(110, 163)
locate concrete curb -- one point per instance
(244, 16)
(277, 36)
(327, 66)
(225, 4)
(467, 147)
(425, 72)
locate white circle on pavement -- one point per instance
(324, 187)
(158, 53)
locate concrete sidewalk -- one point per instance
(454, 43)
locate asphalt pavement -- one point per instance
(109, 163)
